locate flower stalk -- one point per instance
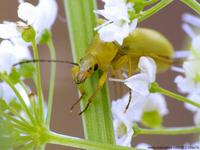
(156, 88)
(55, 138)
(52, 78)
(192, 4)
(38, 79)
(148, 13)
(167, 131)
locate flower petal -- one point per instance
(138, 83)
(148, 66)
(27, 12)
(156, 102)
(194, 97)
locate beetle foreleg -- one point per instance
(129, 101)
(130, 72)
(82, 93)
(99, 86)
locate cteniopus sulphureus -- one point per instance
(110, 55)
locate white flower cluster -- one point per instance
(143, 101)
(13, 48)
(118, 24)
(189, 82)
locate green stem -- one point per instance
(52, 80)
(150, 2)
(18, 115)
(55, 138)
(148, 13)
(97, 120)
(155, 88)
(18, 122)
(24, 106)
(169, 131)
(38, 80)
(192, 4)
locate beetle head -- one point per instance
(85, 69)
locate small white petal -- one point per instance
(8, 30)
(138, 83)
(188, 30)
(196, 43)
(156, 102)
(182, 54)
(191, 19)
(185, 85)
(196, 118)
(148, 66)
(194, 97)
(11, 54)
(125, 140)
(133, 25)
(192, 69)
(7, 93)
(27, 12)
(113, 32)
(177, 69)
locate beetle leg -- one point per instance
(163, 59)
(99, 86)
(82, 93)
(130, 72)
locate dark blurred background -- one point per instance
(168, 22)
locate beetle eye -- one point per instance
(96, 67)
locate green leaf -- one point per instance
(14, 76)
(152, 119)
(27, 70)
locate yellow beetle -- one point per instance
(110, 55)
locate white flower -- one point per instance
(118, 25)
(41, 17)
(11, 54)
(123, 121)
(140, 83)
(194, 97)
(190, 83)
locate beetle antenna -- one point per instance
(45, 60)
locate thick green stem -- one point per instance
(52, 80)
(192, 4)
(155, 88)
(168, 131)
(38, 80)
(148, 13)
(97, 120)
(64, 140)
